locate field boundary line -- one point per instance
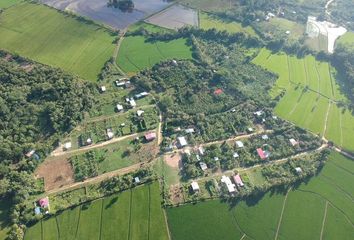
(238, 226)
(78, 222)
(130, 213)
(58, 230)
(306, 72)
(102, 200)
(326, 119)
(42, 230)
(149, 224)
(330, 77)
(341, 129)
(281, 214)
(344, 169)
(330, 181)
(243, 236)
(332, 204)
(324, 220)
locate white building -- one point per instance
(139, 113)
(298, 170)
(67, 146)
(182, 142)
(239, 144)
(119, 107)
(203, 166)
(293, 142)
(195, 186)
(230, 186)
(103, 89)
(110, 133)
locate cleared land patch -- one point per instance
(109, 218)
(347, 39)
(208, 21)
(47, 36)
(257, 218)
(136, 53)
(308, 91)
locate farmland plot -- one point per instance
(50, 37)
(133, 214)
(303, 216)
(135, 53)
(310, 97)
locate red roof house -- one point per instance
(150, 136)
(238, 180)
(218, 91)
(44, 202)
(261, 153)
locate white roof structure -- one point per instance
(189, 130)
(132, 102)
(67, 145)
(110, 133)
(239, 144)
(198, 157)
(139, 113)
(142, 94)
(103, 88)
(182, 141)
(293, 142)
(120, 83)
(136, 180)
(216, 159)
(288, 32)
(201, 150)
(265, 137)
(88, 141)
(250, 129)
(30, 153)
(230, 186)
(235, 155)
(195, 186)
(203, 166)
(258, 113)
(119, 107)
(298, 169)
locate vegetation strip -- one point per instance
(281, 214)
(324, 220)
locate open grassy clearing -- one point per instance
(136, 54)
(208, 5)
(296, 30)
(50, 37)
(347, 40)
(258, 218)
(310, 91)
(8, 3)
(208, 21)
(133, 214)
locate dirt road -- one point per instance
(59, 151)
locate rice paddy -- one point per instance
(133, 214)
(310, 96)
(319, 209)
(50, 37)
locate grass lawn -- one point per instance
(8, 3)
(336, 225)
(296, 30)
(50, 37)
(132, 214)
(135, 54)
(4, 215)
(208, 21)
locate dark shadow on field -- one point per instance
(85, 206)
(111, 203)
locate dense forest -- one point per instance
(37, 105)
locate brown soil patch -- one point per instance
(174, 160)
(27, 67)
(57, 172)
(176, 194)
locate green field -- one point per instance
(8, 3)
(47, 36)
(208, 21)
(347, 39)
(310, 95)
(321, 206)
(208, 5)
(133, 214)
(136, 54)
(296, 30)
